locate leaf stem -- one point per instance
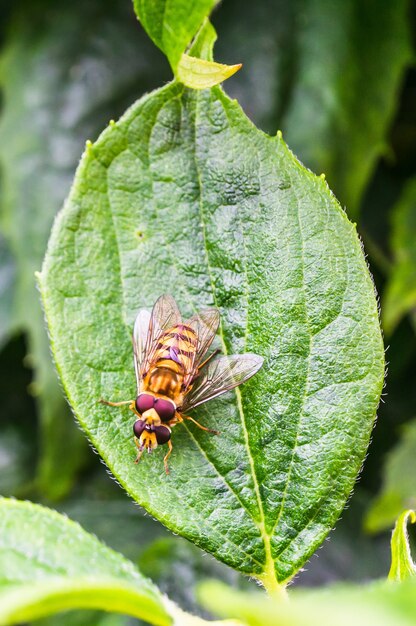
(273, 588)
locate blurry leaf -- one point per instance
(400, 294)
(183, 194)
(49, 564)
(402, 566)
(18, 443)
(352, 59)
(327, 73)
(88, 617)
(399, 483)
(351, 554)
(172, 24)
(66, 70)
(177, 567)
(379, 603)
(7, 281)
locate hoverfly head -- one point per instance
(149, 435)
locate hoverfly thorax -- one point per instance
(148, 405)
(172, 375)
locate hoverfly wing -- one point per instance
(220, 376)
(140, 334)
(205, 325)
(165, 314)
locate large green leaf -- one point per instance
(400, 295)
(399, 483)
(327, 73)
(184, 195)
(59, 88)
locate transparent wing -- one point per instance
(205, 324)
(140, 333)
(220, 375)
(165, 314)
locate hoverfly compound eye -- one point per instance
(138, 427)
(162, 434)
(144, 402)
(165, 409)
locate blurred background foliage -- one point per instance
(339, 79)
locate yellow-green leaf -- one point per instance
(201, 74)
(402, 565)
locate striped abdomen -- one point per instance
(177, 349)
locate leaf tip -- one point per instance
(201, 74)
(279, 134)
(402, 565)
(323, 176)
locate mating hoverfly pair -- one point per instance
(171, 376)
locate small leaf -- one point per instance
(402, 565)
(172, 24)
(400, 295)
(399, 483)
(184, 195)
(200, 74)
(50, 564)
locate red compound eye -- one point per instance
(138, 427)
(165, 409)
(162, 434)
(144, 402)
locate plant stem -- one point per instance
(274, 589)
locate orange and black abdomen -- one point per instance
(177, 349)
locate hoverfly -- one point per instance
(171, 376)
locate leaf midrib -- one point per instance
(261, 523)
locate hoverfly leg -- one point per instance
(165, 460)
(131, 402)
(140, 450)
(211, 356)
(208, 430)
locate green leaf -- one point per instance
(400, 294)
(184, 195)
(399, 483)
(49, 564)
(58, 89)
(172, 24)
(327, 73)
(402, 566)
(379, 603)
